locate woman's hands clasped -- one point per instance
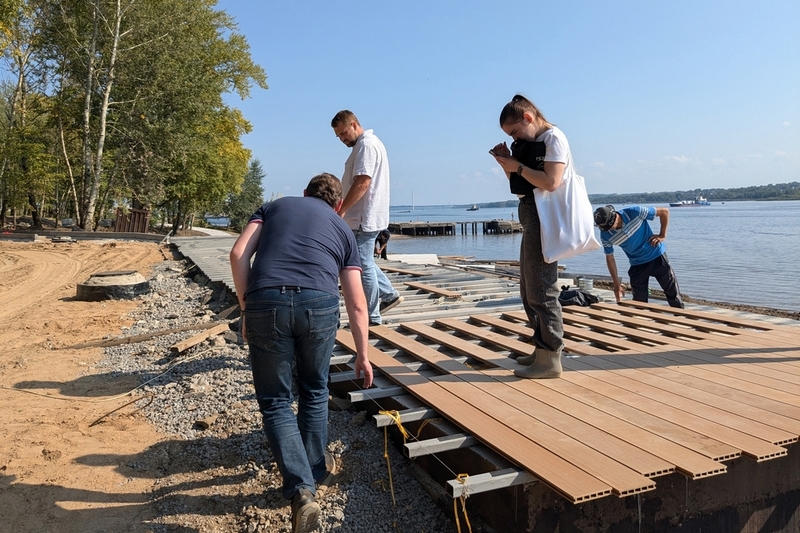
(503, 157)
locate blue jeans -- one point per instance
(377, 286)
(538, 282)
(285, 327)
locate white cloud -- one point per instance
(786, 124)
(780, 153)
(677, 159)
(718, 161)
(597, 164)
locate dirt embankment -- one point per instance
(58, 473)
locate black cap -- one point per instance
(605, 217)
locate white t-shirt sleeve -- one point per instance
(557, 146)
(365, 161)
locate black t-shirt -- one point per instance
(531, 154)
(303, 243)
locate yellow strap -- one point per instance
(395, 415)
(425, 423)
(388, 462)
(462, 478)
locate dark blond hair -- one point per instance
(515, 110)
(326, 187)
(344, 116)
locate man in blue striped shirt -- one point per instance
(629, 229)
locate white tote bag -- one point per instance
(566, 220)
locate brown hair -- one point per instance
(517, 107)
(344, 116)
(326, 187)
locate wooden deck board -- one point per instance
(753, 438)
(565, 478)
(703, 444)
(404, 271)
(643, 462)
(425, 287)
(756, 417)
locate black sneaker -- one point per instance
(391, 304)
(305, 512)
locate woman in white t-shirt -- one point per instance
(546, 159)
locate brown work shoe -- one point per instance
(331, 469)
(305, 512)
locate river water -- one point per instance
(738, 252)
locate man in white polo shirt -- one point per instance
(365, 184)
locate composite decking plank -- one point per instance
(622, 479)
(718, 386)
(568, 480)
(704, 315)
(404, 271)
(621, 451)
(734, 340)
(602, 327)
(767, 334)
(600, 382)
(698, 391)
(603, 320)
(722, 391)
(693, 441)
(698, 442)
(569, 331)
(431, 289)
(729, 417)
(670, 319)
(688, 353)
(688, 462)
(740, 383)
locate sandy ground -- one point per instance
(58, 472)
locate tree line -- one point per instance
(779, 191)
(119, 104)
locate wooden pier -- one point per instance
(487, 227)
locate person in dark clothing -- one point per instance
(380, 243)
(289, 299)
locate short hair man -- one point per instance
(629, 229)
(366, 206)
(290, 314)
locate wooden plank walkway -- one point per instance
(645, 392)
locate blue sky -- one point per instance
(653, 96)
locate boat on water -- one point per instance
(473, 208)
(696, 201)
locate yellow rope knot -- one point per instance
(462, 478)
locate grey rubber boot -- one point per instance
(546, 365)
(527, 359)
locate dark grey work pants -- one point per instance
(538, 282)
(660, 269)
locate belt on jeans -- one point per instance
(284, 288)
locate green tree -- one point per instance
(142, 81)
(240, 206)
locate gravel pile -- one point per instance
(214, 471)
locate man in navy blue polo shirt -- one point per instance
(629, 229)
(290, 315)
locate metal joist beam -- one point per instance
(489, 481)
